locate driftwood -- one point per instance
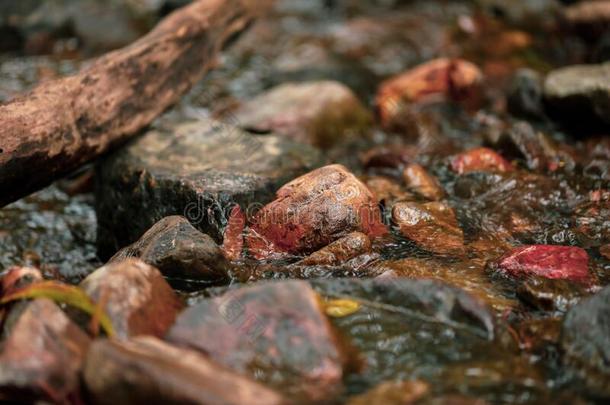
(65, 123)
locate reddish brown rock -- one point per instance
(547, 261)
(18, 277)
(312, 211)
(480, 159)
(277, 332)
(41, 355)
(148, 370)
(432, 226)
(233, 238)
(439, 79)
(340, 251)
(317, 113)
(179, 250)
(387, 191)
(605, 251)
(421, 182)
(136, 297)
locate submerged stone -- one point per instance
(550, 294)
(432, 226)
(340, 251)
(199, 169)
(423, 183)
(421, 301)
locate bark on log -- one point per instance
(62, 124)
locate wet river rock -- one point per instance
(524, 97)
(340, 251)
(550, 294)
(276, 332)
(579, 93)
(318, 113)
(585, 340)
(424, 300)
(180, 251)
(42, 354)
(480, 159)
(135, 296)
(421, 182)
(547, 261)
(387, 190)
(438, 79)
(432, 226)
(147, 370)
(535, 149)
(312, 211)
(199, 169)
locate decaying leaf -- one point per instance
(62, 293)
(341, 307)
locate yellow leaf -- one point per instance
(63, 293)
(341, 307)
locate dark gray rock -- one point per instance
(578, 93)
(42, 354)
(523, 142)
(410, 329)
(180, 251)
(525, 94)
(199, 169)
(585, 340)
(147, 370)
(428, 300)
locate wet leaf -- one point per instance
(341, 307)
(66, 294)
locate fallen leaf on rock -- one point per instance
(62, 293)
(341, 307)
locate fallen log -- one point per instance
(64, 123)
